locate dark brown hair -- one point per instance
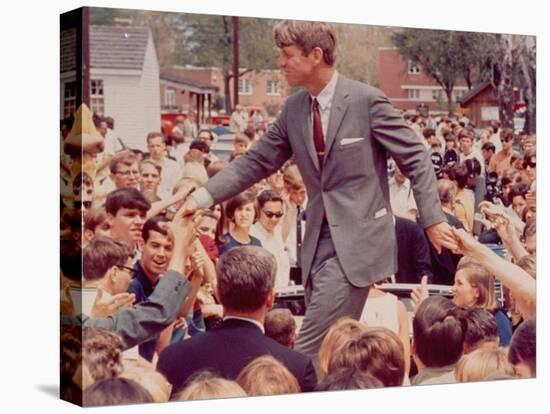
(438, 332)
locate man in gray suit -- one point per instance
(339, 132)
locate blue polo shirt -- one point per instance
(142, 287)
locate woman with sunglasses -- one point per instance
(241, 213)
(269, 230)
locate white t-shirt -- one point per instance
(273, 242)
(169, 176)
(401, 198)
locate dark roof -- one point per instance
(472, 93)
(117, 47)
(173, 75)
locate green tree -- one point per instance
(436, 51)
(209, 42)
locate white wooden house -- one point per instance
(124, 79)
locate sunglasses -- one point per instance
(271, 214)
(531, 164)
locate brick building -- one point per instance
(265, 88)
(407, 86)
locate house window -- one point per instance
(413, 94)
(97, 102)
(245, 87)
(437, 94)
(69, 99)
(414, 66)
(169, 97)
(273, 87)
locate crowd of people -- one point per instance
(183, 307)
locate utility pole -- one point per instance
(235, 61)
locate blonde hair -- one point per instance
(482, 363)
(339, 333)
(206, 385)
(480, 279)
(267, 376)
(153, 381)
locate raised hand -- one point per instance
(441, 235)
(106, 305)
(419, 293)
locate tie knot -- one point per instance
(315, 104)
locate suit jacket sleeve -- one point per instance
(269, 154)
(390, 130)
(146, 319)
(309, 380)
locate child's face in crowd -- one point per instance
(270, 214)
(464, 294)
(207, 227)
(244, 216)
(127, 224)
(150, 178)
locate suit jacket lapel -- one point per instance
(305, 127)
(338, 110)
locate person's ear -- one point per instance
(270, 300)
(88, 235)
(140, 244)
(292, 341)
(112, 274)
(110, 218)
(316, 54)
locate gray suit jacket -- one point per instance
(146, 319)
(352, 187)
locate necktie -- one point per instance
(318, 133)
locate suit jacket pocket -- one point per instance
(342, 146)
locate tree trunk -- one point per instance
(227, 92)
(449, 93)
(505, 88)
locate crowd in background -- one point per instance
(162, 295)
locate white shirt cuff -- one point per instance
(203, 198)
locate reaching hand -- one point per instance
(419, 293)
(441, 235)
(491, 210)
(106, 305)
(504, 228)
(467, 245)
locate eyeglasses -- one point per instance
(531, 164)
(271, 214)
(127, 173)
(130, 270)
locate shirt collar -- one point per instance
(252, 321)
(148, 287)
(325, 96)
